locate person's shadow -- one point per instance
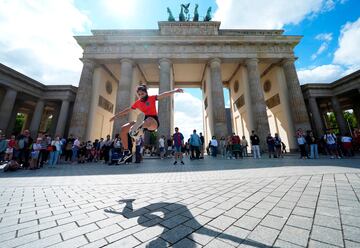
(146, 214)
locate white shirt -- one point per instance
(330, 139)
(214, 142)
(161, 142)
(346, 139)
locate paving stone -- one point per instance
(327, 235)
(204, 235)
(300, 221)
(247, 222)
(222, 222)
(352, 233)
(281, 212)
(174, 221)
(57, 230)
(215, 243)
(103, 232)
(327, 221)
(318, 244)
(46, 242)
(186, 243)
(20, 241)
(149, 233)
(36, 228)
(177, 233)
(75, 242)
(284, 244)
(351, 244)
(234, 235)
(129, 241)
(273, 222)
(264, 235)
(79, 231)
(235, 213)
(332, 212)
(96, 244)
(295, 235)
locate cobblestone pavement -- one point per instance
(206, 203)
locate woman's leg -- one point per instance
(150, 124)
(124, 134)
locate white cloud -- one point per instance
(188, 114)
(326, 38)
(346, 57)
(321, 74)
(123, 8)
(348, 52)
(36, 38)
(268, 15)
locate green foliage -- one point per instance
(349, 118)
(153, 138)
(19, 122)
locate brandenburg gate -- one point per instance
(257, 66)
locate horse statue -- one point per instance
(171, 17)
(181, 15)
(208, 15)
(196, 14)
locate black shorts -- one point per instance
(156, 119)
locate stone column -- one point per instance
(165, 106)
(123, 93)
(297, 103)
(79, 120)
(6, 108)
(60, 126)
(36, 119)
(285, 104)
(261, 122)
(339, 115)
(217, 98)
(316, 117)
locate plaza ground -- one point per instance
(207, 203)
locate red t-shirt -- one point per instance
(148, 107)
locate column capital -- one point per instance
(88, 62)
(126, 60)
(252, 62)
(288, 61)
(214, 61)
(165, 60)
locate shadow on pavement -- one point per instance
(147, 218)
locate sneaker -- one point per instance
(134, 130)
(182, 162)
(175, 162)
(125, 157)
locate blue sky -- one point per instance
(36, 37)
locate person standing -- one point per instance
(330, 139)
(255, 144)
(301, 142)
(202, 139)
(214, 146)
(178, 139)
(55, 152)
(244, 145)
(162, 146)
(313, 143)
(195, 145)
(271, 145)
(277, 145)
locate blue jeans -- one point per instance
(53, 158)
(74, 154)
(213, 151)
(314, 151)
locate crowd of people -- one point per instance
(24, 151)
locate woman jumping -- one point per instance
(146, 120)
